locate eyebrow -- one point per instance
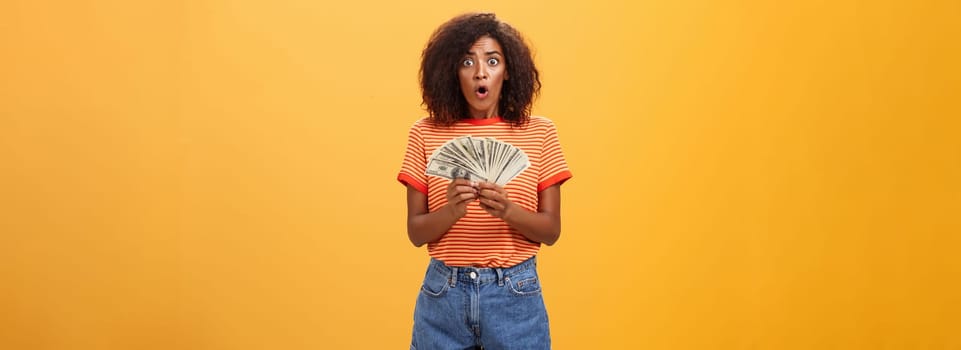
(488, 53)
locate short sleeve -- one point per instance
(414, 166)
(554, 170)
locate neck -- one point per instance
(474, 114)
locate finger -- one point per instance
(464, 189)
(494, 188)
(460, 182)
(462, 197)
(492, 204)
(491, 194)
(487, 185)
(452, 185)
(493, 212)
(488, 209)
(455, 187)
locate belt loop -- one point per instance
(500, 276)
(453, 277)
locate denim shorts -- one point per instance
(493, 308)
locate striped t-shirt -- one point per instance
(479, 239)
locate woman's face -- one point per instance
(482, 73)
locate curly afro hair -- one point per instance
(441, 58)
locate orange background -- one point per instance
(220, 174)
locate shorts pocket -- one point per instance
(524, 283)
(435, 283)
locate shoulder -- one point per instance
(537, 122)
(540, 120)
(421, 124)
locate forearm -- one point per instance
(538, 227)
(429, 227)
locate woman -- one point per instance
(481, 287)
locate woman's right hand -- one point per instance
(459, 194)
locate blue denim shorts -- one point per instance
(493, 308)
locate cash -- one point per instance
(477, 159)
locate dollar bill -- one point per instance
(478, 159)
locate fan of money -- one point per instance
(478, 159)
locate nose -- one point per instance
(480, 72)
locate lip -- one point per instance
(482, 91)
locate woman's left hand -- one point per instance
(493, 199)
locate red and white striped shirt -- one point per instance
(479, 239)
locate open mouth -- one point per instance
(482, 92)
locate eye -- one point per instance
(493, 61)
(467, 62)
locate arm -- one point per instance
(544, 226)
(424, 226)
